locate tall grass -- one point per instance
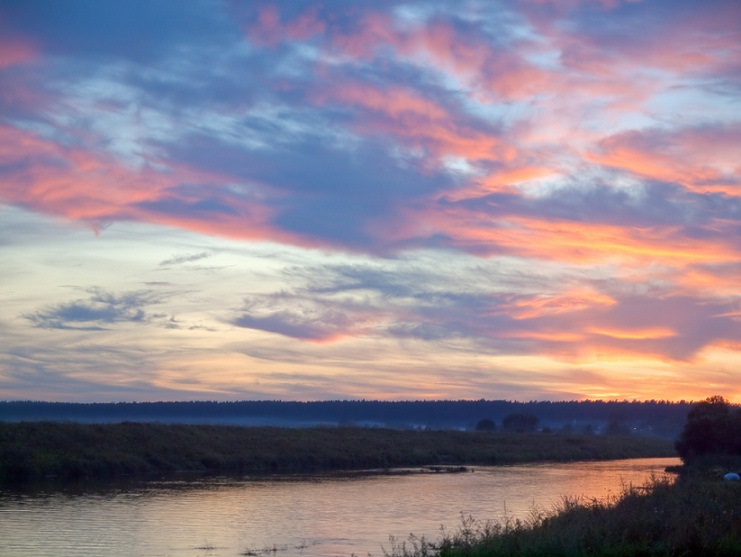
(692, 516)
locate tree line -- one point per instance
(663, 418)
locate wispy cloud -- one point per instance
(572, 322)
(96, 312)
(180, 259)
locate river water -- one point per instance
(318, 516)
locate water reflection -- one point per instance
(312, 517)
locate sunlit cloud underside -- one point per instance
(394, 200)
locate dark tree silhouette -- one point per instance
(713, 427)
(520, 422)
(486, 425)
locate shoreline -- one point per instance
(694, 513)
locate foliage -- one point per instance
(713, 428)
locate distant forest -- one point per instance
(659, 418)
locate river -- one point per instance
(319, 516)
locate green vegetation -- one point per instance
(33, 450)
(694, 516)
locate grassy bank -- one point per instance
(32, 450)
(696, 515)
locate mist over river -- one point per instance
(310, 516)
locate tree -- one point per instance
(520, 422)
(712, 428)
(486, 425)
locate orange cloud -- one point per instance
(709, 280)
(582, 243)
(574, 300)
(548, 336)
(635, 334)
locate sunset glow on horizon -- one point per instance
(310, 200)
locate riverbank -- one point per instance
(35, 450)
(698, 514)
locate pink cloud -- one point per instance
(700, 159)
(701, 41)
(91, 187)
(70, 181)
(15, 51)
(444, 47)
(269, 28)
(505, 179)
(417, 123)
(624, 65)
(489, 73)
(373, 31)
(395, 102)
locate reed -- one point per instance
(696, 515)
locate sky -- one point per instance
(395, 200)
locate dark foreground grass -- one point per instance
(34, 450)
(695, 516)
